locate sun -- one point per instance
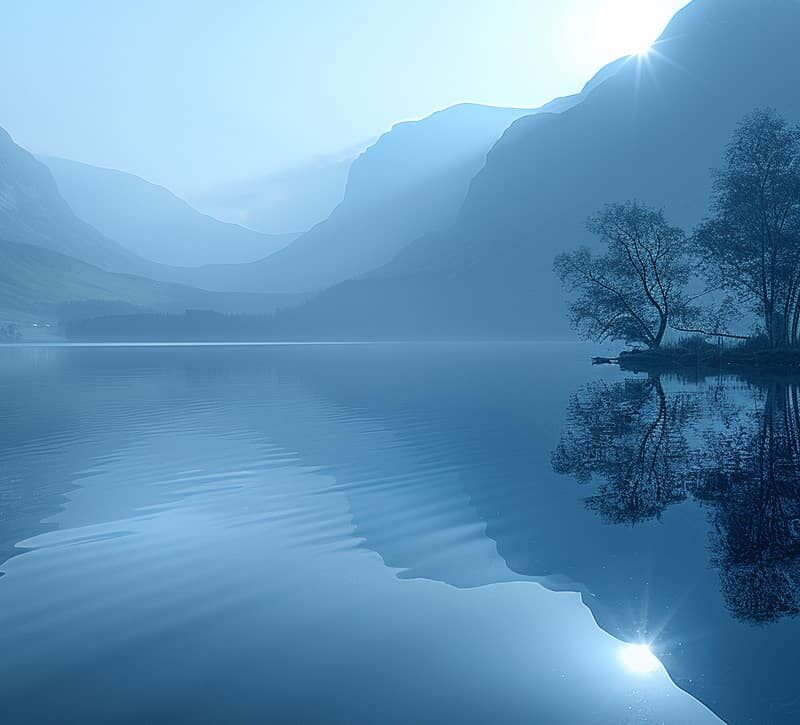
(630, 27)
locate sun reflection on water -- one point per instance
(639, 659)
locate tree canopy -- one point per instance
(746, 252)
(750, 245)
(630, 291)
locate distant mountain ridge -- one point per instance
(652, 131)
(52, 263)
(151, 222)
(410, 184)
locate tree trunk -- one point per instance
(662, 328)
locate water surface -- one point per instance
(373, 533)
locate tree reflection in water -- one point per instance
(646, 448)
(630, 436)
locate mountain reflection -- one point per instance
(736, 451)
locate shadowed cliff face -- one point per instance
(652, 131)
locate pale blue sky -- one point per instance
(192, 93)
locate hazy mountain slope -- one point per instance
(48, 256)
(33, 212)
(289, 201)
(37, 282)
(152, 222)
(413, 180)
(410, 183)
(651, 131)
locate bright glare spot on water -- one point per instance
(639, 659)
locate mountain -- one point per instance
(410, 183)
(33, 212)
(652, 131)
(56, 265)
(152, 222)
(40, 284)
(290, 201)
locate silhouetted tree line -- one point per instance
(747, 250)
(632, 440)
(191, 326)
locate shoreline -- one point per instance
(710, 359)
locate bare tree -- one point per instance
(631, 291)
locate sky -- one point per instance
(195, 93)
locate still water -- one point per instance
(379, 533)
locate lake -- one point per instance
(393, 533)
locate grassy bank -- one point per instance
(752, 355)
